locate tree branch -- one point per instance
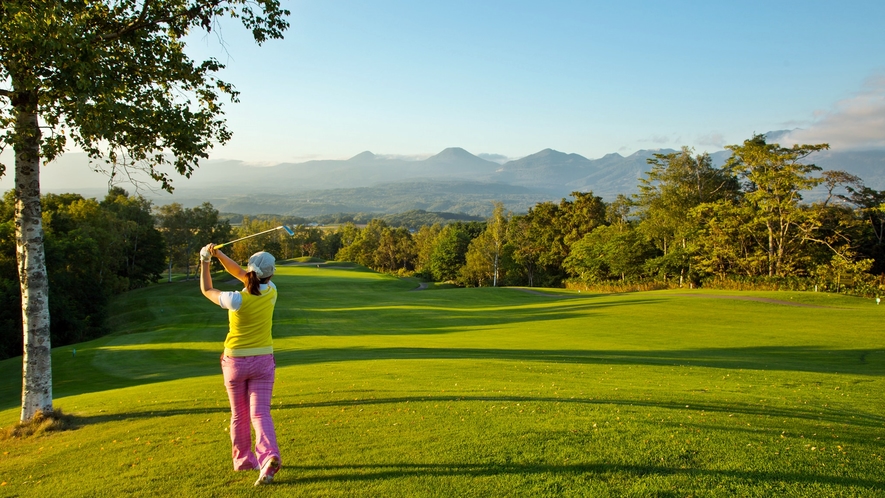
(141, 23)
(144, 9)
(830, 246)
(7, 93)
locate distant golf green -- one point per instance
(386, 391)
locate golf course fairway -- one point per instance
(386, 391)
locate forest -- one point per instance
(743, 225)
(94, 251)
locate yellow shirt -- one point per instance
(251, 324)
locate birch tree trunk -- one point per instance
(36, 356)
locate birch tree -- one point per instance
(776, 177)
(110, 77)
(497, 230)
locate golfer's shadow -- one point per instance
(308, 474)
(82, 421)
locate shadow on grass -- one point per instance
(139, 367)
(82, 421)
(394, 317)
(361, 473)
(851, 418)
(426, 318)
(846, 417)
(783, 358)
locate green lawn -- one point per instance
(382, 391)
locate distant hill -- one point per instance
(416, 218)
(469, 198)
(549, 173)
(548, 169)
(453, 181)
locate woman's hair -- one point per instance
(253, 283)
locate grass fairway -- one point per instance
(382, 391)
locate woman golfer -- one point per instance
(248, 363)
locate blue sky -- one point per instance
(511, 78)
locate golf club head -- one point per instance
(289, 230)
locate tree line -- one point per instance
(98, 249)
(742, 225)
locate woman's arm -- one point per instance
(230, 266)
(210, 292)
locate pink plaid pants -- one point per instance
(249, 382)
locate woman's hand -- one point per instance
(207, 252)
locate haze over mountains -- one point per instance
(453, 180)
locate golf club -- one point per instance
(284, 227)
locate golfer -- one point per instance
(248, 362)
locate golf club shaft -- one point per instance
(249, 236)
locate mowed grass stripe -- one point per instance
(382, 391)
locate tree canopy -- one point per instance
(111, 78)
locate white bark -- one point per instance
(36, 359)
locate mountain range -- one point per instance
(453, 180)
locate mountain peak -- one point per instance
(457, 161)
(548, 154)
(548, 157)
(453, 152)
(457, 155)
(363, 156)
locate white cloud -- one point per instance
(712, 140)
(857, 122)
(656, 139)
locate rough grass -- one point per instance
(382, 391)
(40, 425)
